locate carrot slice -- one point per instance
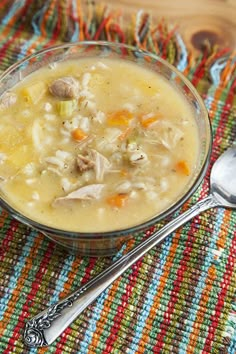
(118, 200)
(124, 173)
(182, 167)
(147, 122)
(120, 117)
(78, 134)
(125, 133)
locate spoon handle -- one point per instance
(48, 325)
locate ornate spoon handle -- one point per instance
(48, 325)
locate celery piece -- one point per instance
(34, 92)
(66, 108)
(133, 138)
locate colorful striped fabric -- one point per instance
(180, 298)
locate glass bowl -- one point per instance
(108, 243)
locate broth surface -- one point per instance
(95, 145)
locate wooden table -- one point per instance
(198, 20)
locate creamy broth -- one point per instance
(95, 145)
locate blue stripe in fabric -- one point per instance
(84, 344)
(17, 273)
(62, 278)
(216, 70)
(150, 294)
(202, 279)
(75, 35)
(184, 54)
(232, 326)
(25, 47)
(37, 19)
(15, 7)
(35, 25)
(208, 102)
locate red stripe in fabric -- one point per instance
(230, 267)
(173, 296)
(12, 227)
(4, 2)
(86, 32)
(121, 308)
(101, 27)
(116, 28)
(200, 71)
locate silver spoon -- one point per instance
(48, 325)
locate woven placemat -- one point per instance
(180, 298)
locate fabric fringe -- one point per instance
(63, 21)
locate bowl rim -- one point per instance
(45, 229)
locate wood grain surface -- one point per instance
(199, 21)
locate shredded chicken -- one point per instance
(85, 142)
(93, 159)
(84, 163)
(171, 137)
(101, 164)
(91, 191)
(167, 135)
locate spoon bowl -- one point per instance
(45, 327)
(223, 179)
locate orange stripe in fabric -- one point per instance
(160, 290)
(194, 336)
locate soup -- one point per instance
(94, 145)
